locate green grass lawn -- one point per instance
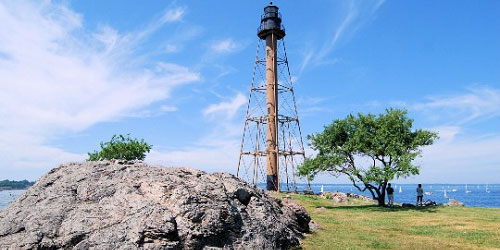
(361, 225)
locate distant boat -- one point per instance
(466, 189)
(400, 189)
(445, 196)
(454, 190)
(321, 188)
(428, 193)
(487, 189)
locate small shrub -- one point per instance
(121, 148)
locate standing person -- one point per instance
(390, 195)
(420, 194)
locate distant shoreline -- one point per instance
(15, 185)
(9, 189)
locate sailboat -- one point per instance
(321, 188)
(445, 196)
(466, 189)
(487, 190)
(400, 189)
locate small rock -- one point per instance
(455, 203)
(407, 205)
(429, 203)
(313, 226)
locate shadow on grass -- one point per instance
(376, 208)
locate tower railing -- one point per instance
(270, 15)
(270, 27)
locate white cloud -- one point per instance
(225, 46)
(480, 102)
(447, 133)
(174, 15)
(172, 48)
(465, 160)
(107, 36)
(166, 108)
(227, 109)
(220, 157)
(57, 77)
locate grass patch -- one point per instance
(362, 225)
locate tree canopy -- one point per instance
(369, 149)
(121, 148)
(6, 184)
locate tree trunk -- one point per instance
(381, 200)
(381, 196)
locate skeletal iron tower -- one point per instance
(272, 132)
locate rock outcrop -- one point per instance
(125, 205)
(337, 197)
(360, 197)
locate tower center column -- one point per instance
(272, 113)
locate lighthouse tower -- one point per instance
(271, 132)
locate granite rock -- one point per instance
(131, 205)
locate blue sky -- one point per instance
(177, 73)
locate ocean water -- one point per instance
(472, 195)
(7, 196)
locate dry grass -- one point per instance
(361, 225)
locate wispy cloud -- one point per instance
(227, 109)
(59, 77)
(480, 102)
(225, 46)
(355, 14)
(218, 150)
(174, 15)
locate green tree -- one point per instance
(121, 148)
(369, 149)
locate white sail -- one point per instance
(445, 196)
(321, 188)
(400, 189)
